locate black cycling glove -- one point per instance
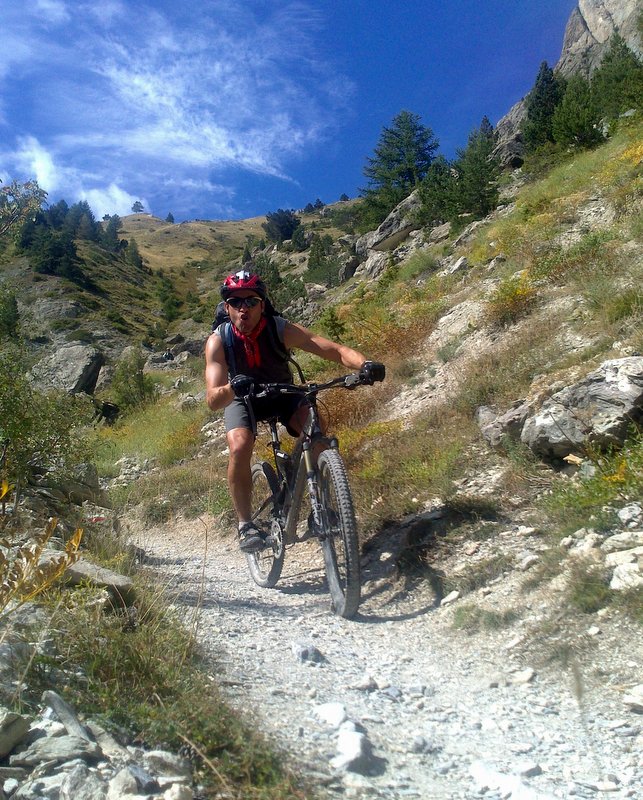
(242, 385)
(372, 372)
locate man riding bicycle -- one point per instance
(258, 355)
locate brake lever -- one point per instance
(351, 381)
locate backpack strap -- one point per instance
(225, 331)
(278, 343)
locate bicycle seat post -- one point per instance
(282, 459)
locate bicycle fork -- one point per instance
(317, 526)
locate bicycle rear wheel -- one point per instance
(265, 565)
(339, 542)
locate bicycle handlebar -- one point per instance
(350, 381)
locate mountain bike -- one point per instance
(278, 494)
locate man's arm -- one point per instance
(218, 392)
(297, 336)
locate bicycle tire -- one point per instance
(265, 565)
(340, 543)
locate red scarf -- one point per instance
(250, 346)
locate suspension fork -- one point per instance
(313, 486)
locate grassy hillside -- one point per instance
(199, 245)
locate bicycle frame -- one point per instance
(293, 480)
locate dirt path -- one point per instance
(436, 713)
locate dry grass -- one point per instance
(198, 246)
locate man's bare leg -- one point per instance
(241, 442)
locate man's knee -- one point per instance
(241, 444)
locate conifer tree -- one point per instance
(133, 254)
(109, 237)
(541, 103)
(478, 171)
(9, 315)
(617, 84)
(439, 193)
(400, 161)
(280, 225)
(576, 118)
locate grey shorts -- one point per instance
(236, 415)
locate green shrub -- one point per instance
(617, 478)
(513, 298)
(38, 429)
(131, 387)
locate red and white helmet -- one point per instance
(243, 280)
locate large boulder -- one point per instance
(74, 368)
(374, 265)
(598, 411)
(394, 230)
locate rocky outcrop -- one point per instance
(394, 230)
(589, 30)
(597, 411)
(73, 369)
(56, 755)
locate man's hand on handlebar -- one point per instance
(372, 372)
(242, 385)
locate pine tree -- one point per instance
(110, 238)
(170, 217)
(617, 84)
(280, 225)
(576, 118)
(478, 171)
(541, 103)
(134, 255)
(400, 161)
(138, 207)
(9, 315)
(439, 193)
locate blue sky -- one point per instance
(226, 109)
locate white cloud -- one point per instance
(34, 161)
(110, 200)
(54, 11)
(207, 87)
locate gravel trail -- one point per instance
(396, 703)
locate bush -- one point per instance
(513, 298)
(131, 387)
(38, 429)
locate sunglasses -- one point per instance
(238, 302)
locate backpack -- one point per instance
(224, 326)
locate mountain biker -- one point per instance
(257, 358)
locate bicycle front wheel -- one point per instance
(265, 565)
(339, 540)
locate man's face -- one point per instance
(244, 319)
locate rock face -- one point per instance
(586, 39)
(589, 30)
